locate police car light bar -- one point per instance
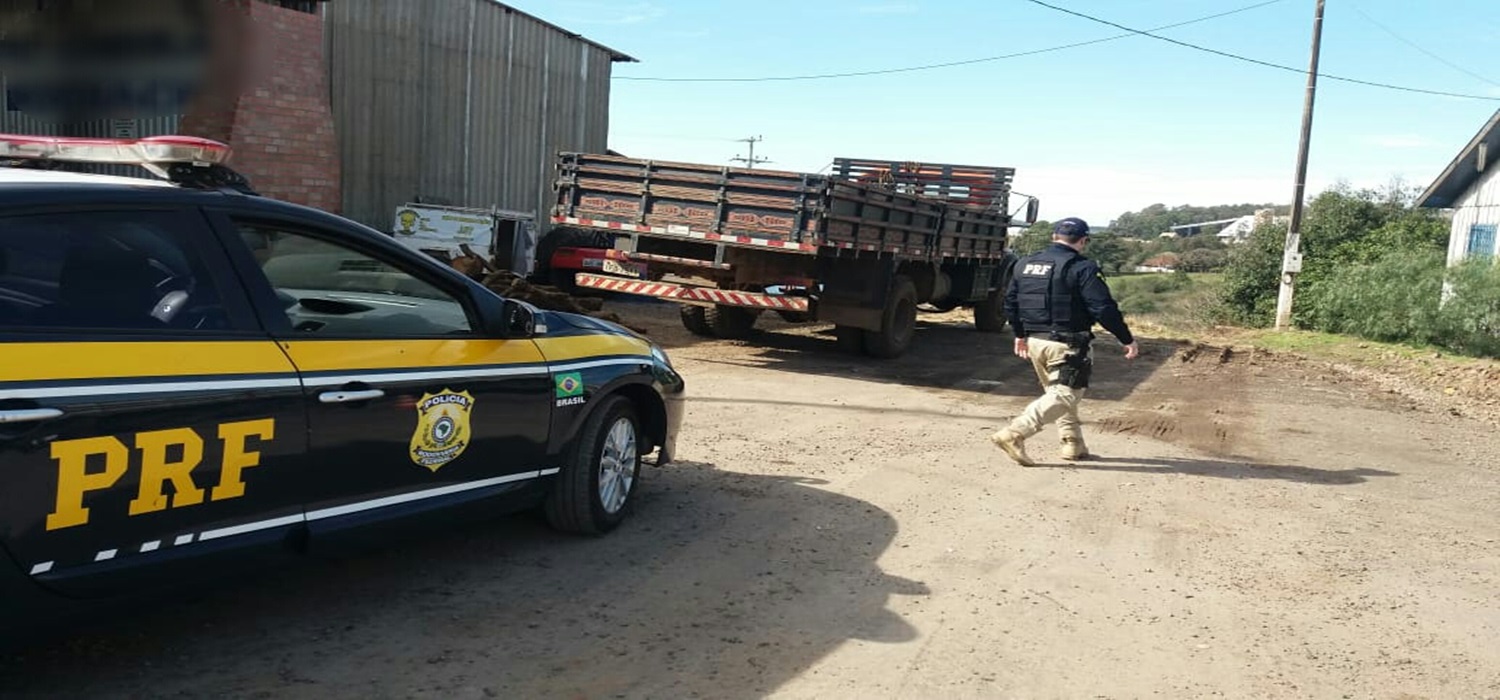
(147, 152)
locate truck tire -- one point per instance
(898, 323)
(794, 316)
(592, 493)
(849, 339)
(730, 322)
(695, 319)
(989, 315)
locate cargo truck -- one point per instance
(861, 247)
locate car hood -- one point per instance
(561, 322)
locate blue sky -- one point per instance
(1092, 131)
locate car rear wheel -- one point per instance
(592, 493)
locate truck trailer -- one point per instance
(861, 247)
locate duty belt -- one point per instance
(1069, 337)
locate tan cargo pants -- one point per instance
(1059, 403)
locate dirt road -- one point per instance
(842, 528)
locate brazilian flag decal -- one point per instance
(569, 384)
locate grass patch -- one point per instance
(1174, 302)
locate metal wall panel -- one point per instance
(464, 102)
(1480, 205)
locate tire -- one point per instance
(606, 452)
(730, 322)
(695, 319)
(849, 339)
(989, 315)
(794, 316)
(898, 322)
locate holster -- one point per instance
(1078, 363)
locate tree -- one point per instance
(1250, 277)
(1157, 219)
(1203, 260)
(1343, 227)
(1033, 239)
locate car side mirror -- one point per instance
(519, 321)
(1033, 208)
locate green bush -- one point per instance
(1400, 298)
(1251, 277)
(1469, 321)
(1395, 298)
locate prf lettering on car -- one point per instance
(153, 456)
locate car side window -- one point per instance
(124, 271)
(331, 289)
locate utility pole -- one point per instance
(750, 161)
(1291, 254)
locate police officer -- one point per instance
(1054, 299)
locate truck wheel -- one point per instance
(730, 322)
(794, 316)
(592, 492)
(898, 323)
(695, 319)
(989, 315)
(849, 339)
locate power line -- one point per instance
(950, 64)
(1414, 45)
(1256, 61)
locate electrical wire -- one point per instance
(950, 64)
(1259, 62)
(1414, 45)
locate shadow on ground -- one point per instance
(720, 585)
(948, 356)
(1228, 470)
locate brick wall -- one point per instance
(270, 102)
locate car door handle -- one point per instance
(29, 415)
(350, 396)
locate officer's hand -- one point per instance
(1132, 351)
(1021, 350)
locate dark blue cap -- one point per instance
(1071, 227)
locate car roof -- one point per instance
(34, 176)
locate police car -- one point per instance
(194, 377)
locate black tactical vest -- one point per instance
(1047, 301)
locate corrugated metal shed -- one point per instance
(463, 102)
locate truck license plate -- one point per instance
(625, 269)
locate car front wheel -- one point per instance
(592, 492)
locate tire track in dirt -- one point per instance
(1198, 400)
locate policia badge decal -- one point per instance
(442, 428)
